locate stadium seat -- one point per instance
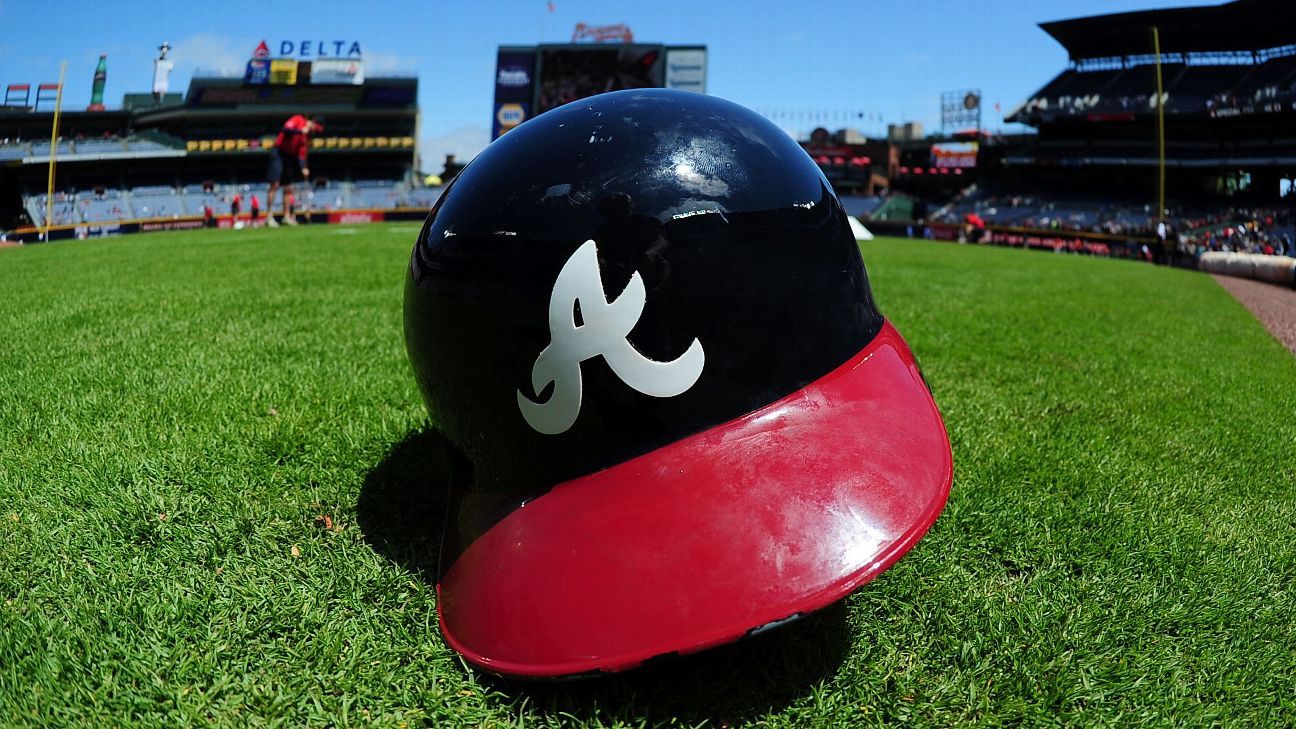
(10, 152)
(156, 201)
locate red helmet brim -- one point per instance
(767, 517)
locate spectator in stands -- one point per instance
(288, 163)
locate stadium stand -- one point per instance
(895, 207)
(1072, 92)
(95, 208)
(64, 212)
(1196, 227)
(14, 151)
(42, 149)
(423, 198)
(1198, 87)
(377, 195)
(1088, 179)
(1095, 215)
(146, 145)
(99, 146)
(1205, 81)
(156, 202)
(194, 198)
(1213, 57)
(861, 207)
(123, 170)
(325, 195)
(1269, 80)
(1135, 88)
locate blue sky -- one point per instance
(814, 62)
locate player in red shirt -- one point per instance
(288, 162)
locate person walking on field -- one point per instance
(288, 163)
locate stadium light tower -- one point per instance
(960, 110)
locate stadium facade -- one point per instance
(1089, 178)
(159, 164)
(1092, 167)
(1228, 78)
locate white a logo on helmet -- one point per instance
(603, 331)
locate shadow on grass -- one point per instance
(735, 683)
(401, 509)
(402, 504)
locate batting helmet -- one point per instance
(643, 319)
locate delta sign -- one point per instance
(333, 62)
(311, 49)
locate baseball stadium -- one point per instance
(764, 369)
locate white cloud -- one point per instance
(210, 52)
(464, 143)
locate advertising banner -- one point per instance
(98, 230)
(356, 217)
(283, 72)
(258, 72)
(954, 155)
(514, 88)
(186, 224)
(341, 71)
(508, 116)
(514, 73)
(686, 69)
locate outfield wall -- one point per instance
(126, 227)
(1071, 241)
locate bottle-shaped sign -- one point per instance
(100, 78)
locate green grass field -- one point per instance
(215, 506)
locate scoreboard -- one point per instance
(531, 80)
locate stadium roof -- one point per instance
(1241, 25)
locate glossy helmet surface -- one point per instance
(645, 275)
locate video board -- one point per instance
(531, 80)
(569, 73)
(954, 155)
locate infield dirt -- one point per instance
(1274, 306)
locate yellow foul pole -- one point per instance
(1160, 105)
(54, 130)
